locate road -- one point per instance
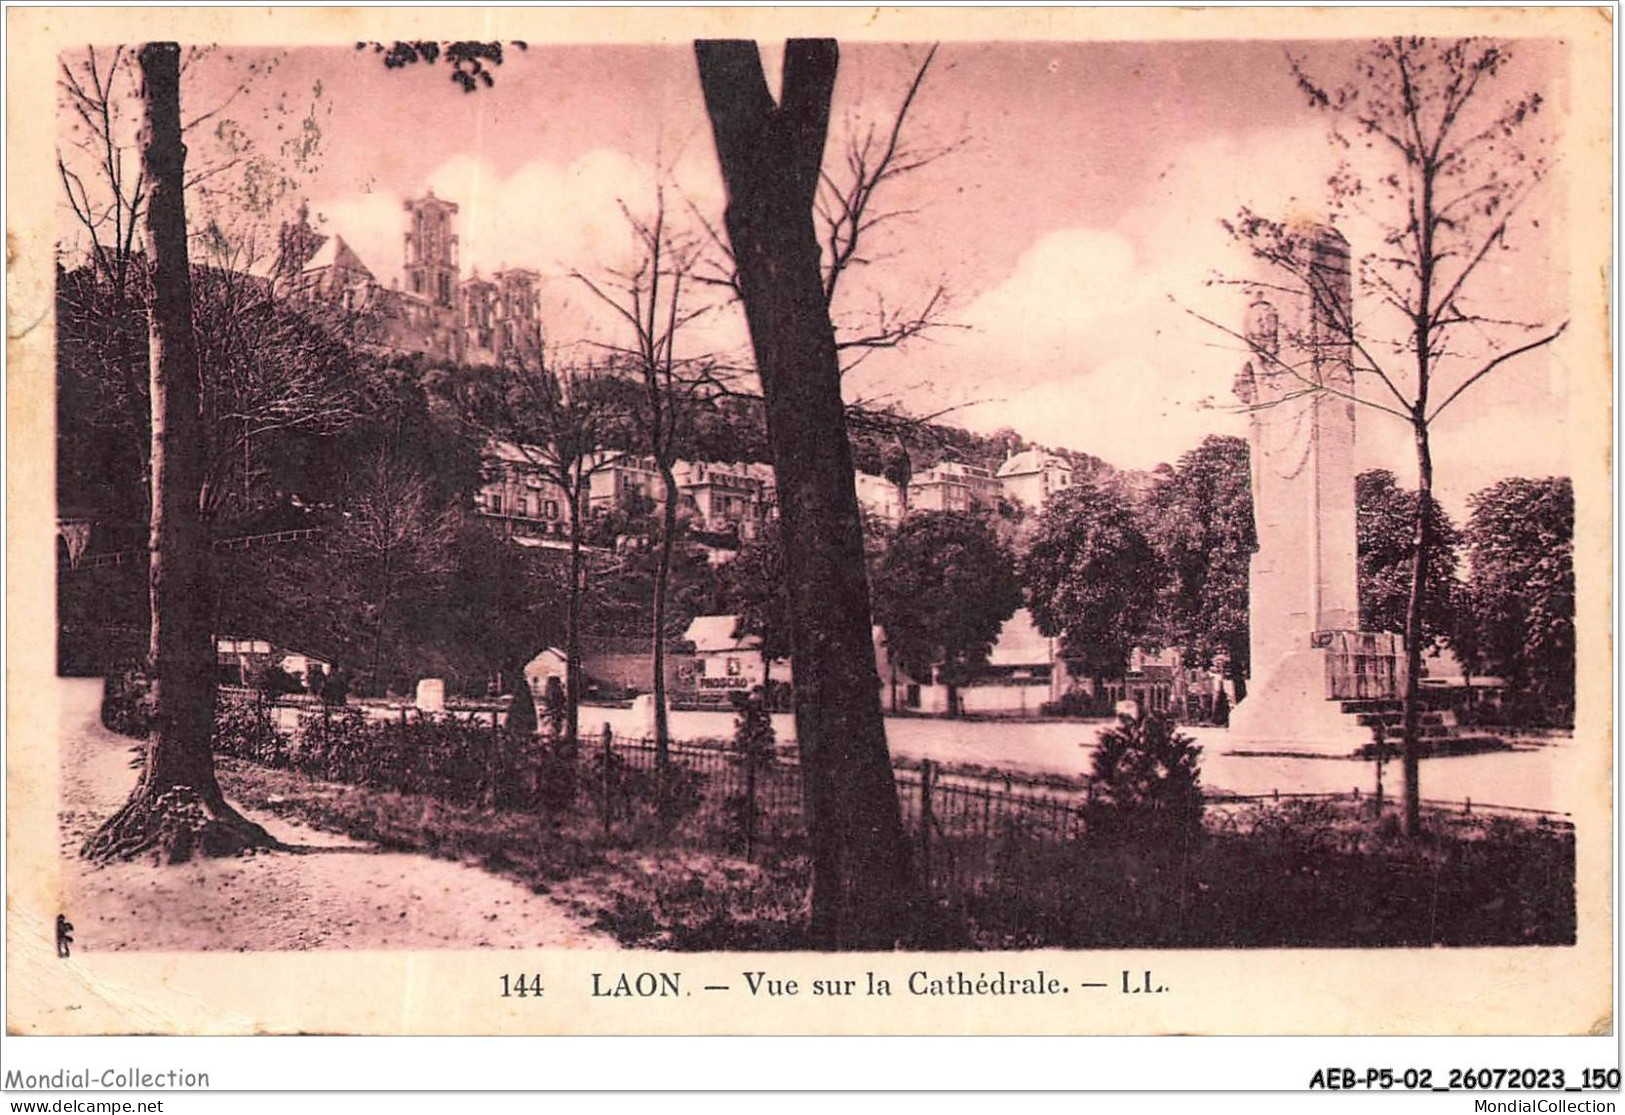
(1533, 776)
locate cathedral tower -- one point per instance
(431, 250)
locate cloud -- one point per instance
(545, 215)
(552, 217)
(1115, 411)
(1093, 339)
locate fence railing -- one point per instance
(969, 829)
(955, 818)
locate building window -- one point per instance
(733, 667)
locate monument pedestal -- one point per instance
(1296, 703)
(1287, 710)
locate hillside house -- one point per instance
(953, 486)
(730, 499)
(1034, 477)
(879, 497)
(515, 493)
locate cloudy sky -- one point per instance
(1075, 226)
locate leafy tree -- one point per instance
(506, 608)
(1091, 577)
(942, 594)
(1385, 516)
(898, 468)
(620, 597)
(1199, 518)
(1520, 544)
(468, 61)
(753, 588)
(732, 427)
(1444, 165)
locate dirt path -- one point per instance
(335, 893)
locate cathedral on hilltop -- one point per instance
(437, 313)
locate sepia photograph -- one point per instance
(1009, 501)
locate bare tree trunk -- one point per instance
(668, 527)
(384, 594)
(572, 635)
(864, 889)
(1421, 556)
(177, 806)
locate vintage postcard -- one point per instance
(809, 522)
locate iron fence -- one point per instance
(966, 827)
(974, 833)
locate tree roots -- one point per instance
(174, 826)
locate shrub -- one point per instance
(753, 728)
(557, 708)
(336, 689)
(1147, 778)
(641, 803)
(742, 813)
(276, 682)
(127, 704)
(605, 779)
(558, 774)
(244, 729)
(333, 746)
(678, 795)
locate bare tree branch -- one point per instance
(1491, 365)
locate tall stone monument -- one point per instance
(1308, 654)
